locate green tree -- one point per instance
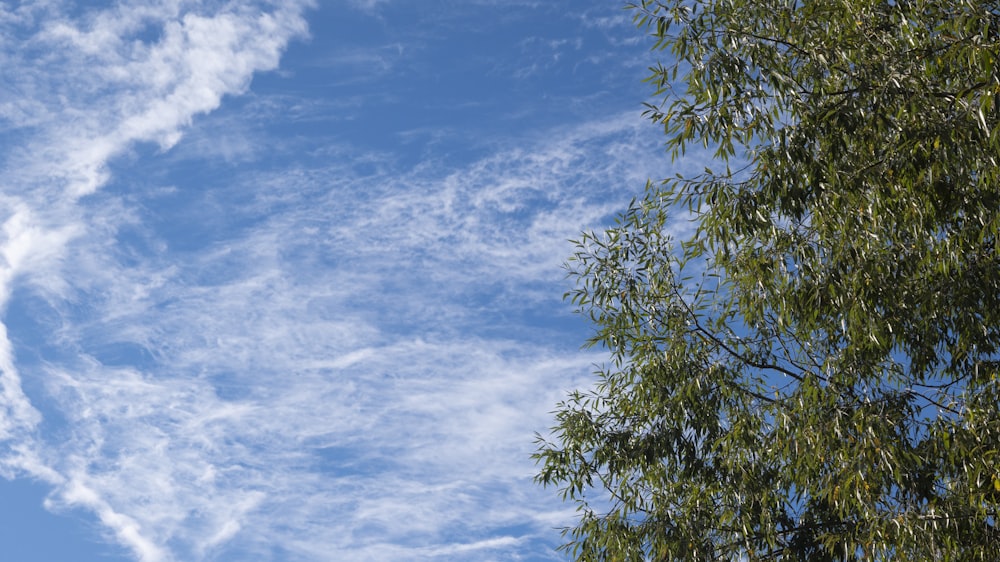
(814, 374)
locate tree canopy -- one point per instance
(815, 373)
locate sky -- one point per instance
(283, 280)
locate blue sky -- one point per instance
(282, 280)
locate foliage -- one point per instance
(814, 374)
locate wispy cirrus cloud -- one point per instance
(84, 87)
(287, 347)
(349, 368)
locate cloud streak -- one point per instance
(352, 364)
(344, 353)
(89, 87)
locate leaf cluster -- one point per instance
(814, 374)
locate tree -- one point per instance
(815, 374)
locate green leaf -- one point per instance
(803, 377)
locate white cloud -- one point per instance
(330, 368)
(95, 86)
(367, 5)
(329, 361)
